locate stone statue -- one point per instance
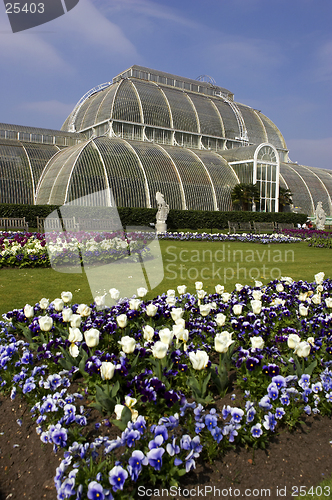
(320, 216)
(163, 210)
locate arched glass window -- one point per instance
(266, 175)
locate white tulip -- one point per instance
(257, 294)
(73, 350)
(319, 278)
(222, 341)
(280, 287)
(287, 280)
(328, 302)
(258, 284)
(67, 314)
(220, 319)
(170, 293)
(278, 302)
(201, 294)
(293, 340)
(134, 304)
(226, 296)
(181, 321)
(198, 285)
(257, 342)
(44, 303)
(237, 309)
(84, 310)
(66, 297)
(92, 337)
(199, 359)
(45, 323)
(159, 350)
(100, 301)
(181, 333)
(148, 333)
(219, 289)
(320, 288)
(122, 320)
(118, 411)
(302, 349)
(75, 335)
(177, 313)
(151, 310)
(141, 292)
(58, 304)
(256, 306)
(181, 289)
(303, 310)
(75, 320)
(171, 301)
(107, 370)
(114, 293)
(128, 344)
(205, 309)
(317, 298)
(303, 296)
(166, 336)
(28, 311)
(238, 287)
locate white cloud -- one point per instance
(311, 152)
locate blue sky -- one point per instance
(274, 55)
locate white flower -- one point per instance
(256, 306)
(287, 280)
(199, 359)
(280, 287)
(148, 333)
(151, 310)
(302, 349)
(83, 310)
(159, 350)
(311, 340)
(66, 297)
(201, 294)
(171, 301)
(118, 411)
(257, 294)
(122, 320)
(278, 302)
(73, 350)
(293, 340)
(141, 292)
(319, 278)
(130, 402)
(198, 285)
(222, 341)
(317, 298)
(100, 301)
(303, 310)
(219, 289)
(205, 309)
(107, 370)
(328, 302)
(75, 335)
(303, 296)
(225, 296)
(75, 320)
(92, 337)
(181, 289)
(134, 304)
(67, 314)
(181, 321)
(166, 336)
(257, 342)
(320, 288)
(114, 293)
(177, 313)
(44, 303)
(180, 333)
(237, 309)
(170, 293)
(128, 344)
(258, 284)
(28, 311)
(45, 323)
(220, 319)
(238, 287)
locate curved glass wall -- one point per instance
(184, 116)
(255, 128)
(301, 197)
(315, 187)
(209, 118)
(155, 108)
(126, 105)
(15, 175)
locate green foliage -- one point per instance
(243, 195)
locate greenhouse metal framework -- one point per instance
(148, 131)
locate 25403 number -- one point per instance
(32, 8)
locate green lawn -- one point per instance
(184, 263)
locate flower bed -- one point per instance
(159, 370)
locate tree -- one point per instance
(285, 198)
(243, 195)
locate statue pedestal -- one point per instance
(161, 227)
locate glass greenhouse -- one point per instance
(148, 131)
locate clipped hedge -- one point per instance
(177, 219)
